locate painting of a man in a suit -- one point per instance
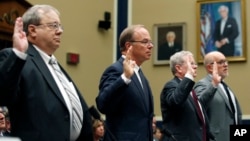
(169, 47)
(225, 33)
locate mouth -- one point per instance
(58, 40)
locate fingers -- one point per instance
(18, 28)
(215, 68)
(216, 77)
(128, 54)
(19, 36)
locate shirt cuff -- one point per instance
(20, 54)
(125, 79)
(189, 76)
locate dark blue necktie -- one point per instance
(144, 84)
(229, 97)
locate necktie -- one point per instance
(229, 97)
(200, 115)
(77, 113)
(144, 86)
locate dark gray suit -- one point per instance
(217, 107)
(37, 108)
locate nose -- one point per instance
(59, 30)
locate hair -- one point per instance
(127, 35)
(34, 14)
(95, 123)
(223, 7)
(178, 58)
(170, 33)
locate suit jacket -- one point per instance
(128, 115)
(217, 107)
(37, 109)
(230, 32)
(179, 114)
(165, 51)
(10, 69)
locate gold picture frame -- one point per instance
(232, 40)
(162, 49)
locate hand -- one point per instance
(216, 78)
(128, 64)
(218, 44)
(191, 66)
(224, 41)
(20, 41)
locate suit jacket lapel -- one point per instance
(222, 93)
(138, 86)
(35, 57)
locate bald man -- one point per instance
(221, 105)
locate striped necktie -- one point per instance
(77, 112)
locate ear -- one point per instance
(32, 30)
(127, 45)
(209, 68)
(178, 68)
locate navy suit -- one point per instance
(128, 113)
(179, 115)
(230, 32)
(37, 109)
(10, 69)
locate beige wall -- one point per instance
(81, 35)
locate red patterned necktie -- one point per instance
(200, 115)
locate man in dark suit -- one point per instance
(169, 47)
(183, 116)
(39, 105)
(225, 33)
(214, 96)
(124, 93)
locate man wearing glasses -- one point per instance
(221, 104)
(45, 104)
(125, 96)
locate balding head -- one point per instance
(221, 63)
(213, 56)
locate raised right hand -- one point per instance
(216, 78)
(20, 41)
(128, 64)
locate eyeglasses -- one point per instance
(53, 26)
(221, 62)
(144, 42)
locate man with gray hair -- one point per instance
(169, 47)
(183, 116)
(225, 33)
(43, 106)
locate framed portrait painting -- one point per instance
(221, 26)
(168, 39)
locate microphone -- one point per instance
(94, 112)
